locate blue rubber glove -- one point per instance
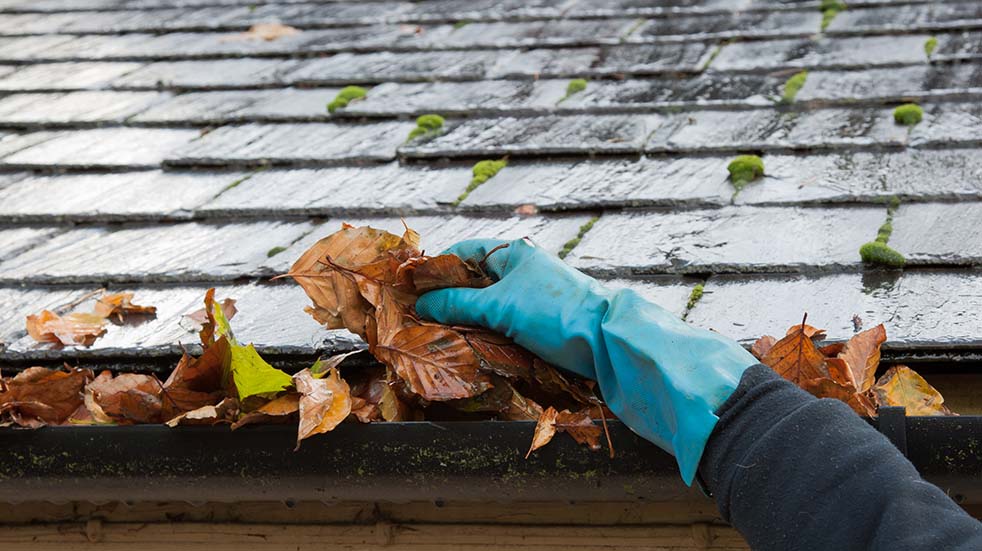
(662, 377)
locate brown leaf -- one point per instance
(862, 354)
(279, 410)
(324, 403)
(902, 386)
(795, 357)
(545, 429)
(832, 350)
(521, 408)
(580, 426)
(827, 388)
(128, 398)
(436, 363)
(265, 31)
(447, 270)
(499, 354)
(762, 346)
(72, 329)
(195, 383)
(121, 305)
(201, 317)
(40, 396)
(223, 412)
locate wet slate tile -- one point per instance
(349, 68)
(481, 10)
(286, 105)
(103, 147)
(15, 240)
(327, 14)
(911, 175)
(772, 129)
(51, 76)
(539, 33)
(947, 124)
(670, 293)
(727, 240)
(29, 47)
(939, 233)
(828, 53)
(464, 98)
(612, 8)
(893, 84)
(718, 89)
(129, 195)
(759, 24)
(538, 136)
(439, 232)
(605, 184)
(224, 73)
(648, 59)
(17, 303)
(958, 46)
(139, 253)
(73, 107)
(906, 18)
(11, 143)
(343, 191)
(124, 47)
(294, 143)
(918, 308)
(543, 63)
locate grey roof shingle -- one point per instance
(145, 145)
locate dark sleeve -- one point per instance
(790, 471)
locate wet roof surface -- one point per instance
(146, 146)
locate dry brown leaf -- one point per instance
(128, 398)
(120, 305)
(545, 429)
(580, 426)
(195, 382)
(223, 412)
(762, 346)
(827, 388)
(902, 386)
(832, 350)
(436, 363)
(447, 270)
(278, 410)
(72, 329)
(265, 31)
(40, 396)
(324, 403)
(862, 354)
(810, 332)
(795, 357)
(201, 317)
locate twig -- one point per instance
(484, 261)
(603, 419)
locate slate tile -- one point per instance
(612, 8)
(389, 189)
(646, 59)
(285, 105)
(939, 233)
(732, 239)
(122, 196)
(463, 98)
(538, 34)
(771, 129)
(294, 143)
(912, 175)
(919, 308)
(481, 10)
(11, 143)
(29, 47)
(15, 240)
(605, 184)
(825, 53)
(670, 293)
(439, 232)
(543, 63)
(139, 253)
(17, 303)
(103, 147)
(893, 84)
(327, 14)
(349, 68)
(51, 76)
(758, 24)
(73, 107)
(718, 89)
(947, 124)
(225, 73)
(124, 47)
(538, 136)
(907, 18)
(958, 46)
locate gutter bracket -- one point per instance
(892, 423)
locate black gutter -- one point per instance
(395, 462)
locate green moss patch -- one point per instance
(482, 172)
(830, 9)
(881, 254)
(745, 169)
(908, 114)
(575, 86)
(930, 44)
(275, 251)
(793, 85)
(346, 96)
(694, 297)
(572, 243)
(461, 24)
(426, 125)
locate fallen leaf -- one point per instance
(436, 363)
(195, 382)
(324, 403)
(762, 346)
(810, 332)
(120, 305)
(545, 429)
(862, 354)
(827, 388)
(447, 270)
(580, 426)
(278, 410)
(223, 412)
(128, 398)
(902, 386)
(265, 31)
(72, 329)
(40, 396)
(832, 350)
(795, 357)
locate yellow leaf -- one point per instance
(902, 386)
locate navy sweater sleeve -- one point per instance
(790, 471)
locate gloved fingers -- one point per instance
(476, 250)
(454, 306)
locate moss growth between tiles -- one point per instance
(482, 172)
(793, 85)
(830, 9)
(877, 252)
(694, 297)
(575, 86)
(461, 24)
(426, 125)
(274, 251)
(572, 243)
(347, 95)
(930, 44)
(745, 169)
(908, 114)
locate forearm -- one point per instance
(790, 471)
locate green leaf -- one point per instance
(253, 376)
(222, 327)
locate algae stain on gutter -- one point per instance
(572, 243)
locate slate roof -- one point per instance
(145, 147)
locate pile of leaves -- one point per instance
(367, 281)
(846, 371)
